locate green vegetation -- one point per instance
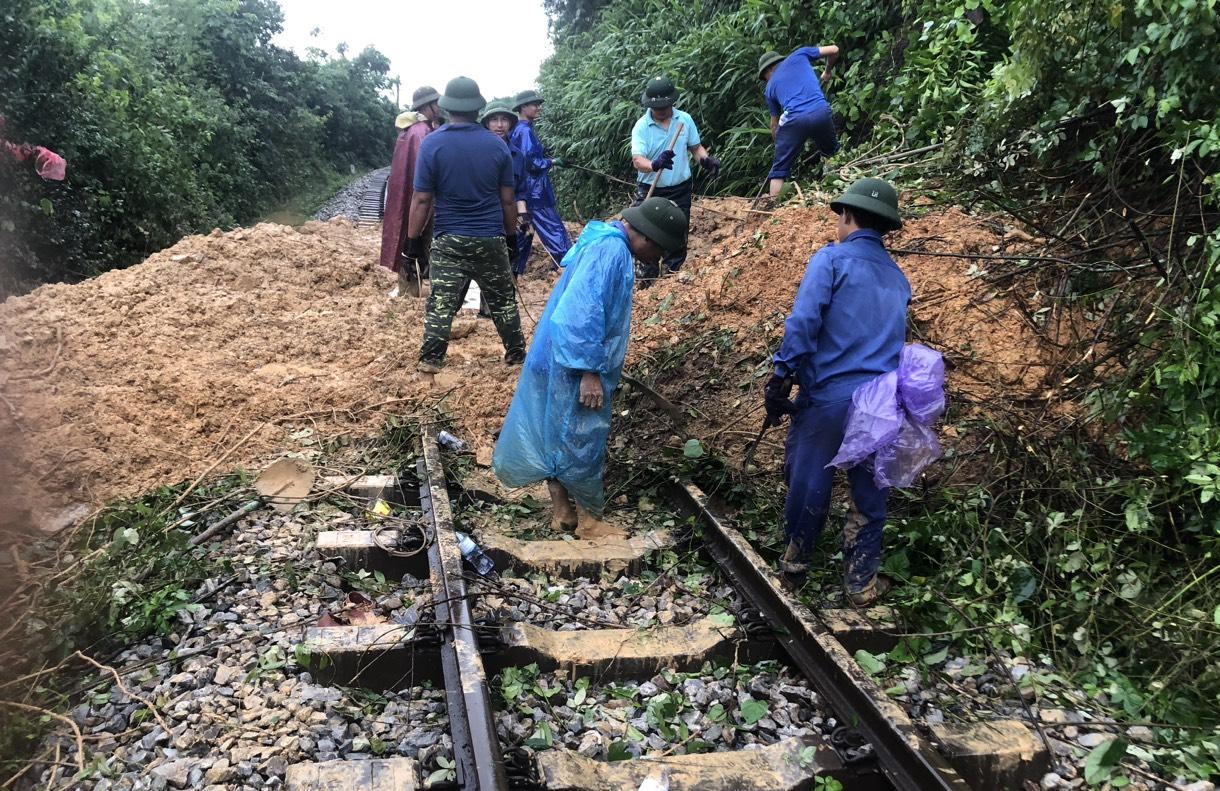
(121, 575)
(1083, 527)
(175, 116)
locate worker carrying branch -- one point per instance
(847, 327)
(559, 419)
(799, 109)
(541, 211)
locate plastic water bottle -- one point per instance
(474, 555)
(451, 442)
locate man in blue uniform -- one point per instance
(466, 172)
(653, 159)
(541, 211)
(559, 420)
(799, 109)
(848, 326)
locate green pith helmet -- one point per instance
(660, 220)
(768, 59)
(526, 97)
(660, 92)
(462, 96)
(501, 107)
(424, 96)
(875, 196)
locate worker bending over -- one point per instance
(848, 326)
(799, 109)
(559, 419)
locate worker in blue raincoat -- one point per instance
(541, 211)
(559, 419)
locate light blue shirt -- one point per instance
(649, 139)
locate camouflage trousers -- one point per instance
(455, 261)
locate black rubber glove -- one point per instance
(510, 242)
(776, 398)
(663, 162)
(523, 222)
(415, 249)
(711, 164)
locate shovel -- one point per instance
(282, 486)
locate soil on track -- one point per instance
(225, 347)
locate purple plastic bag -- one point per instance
(921, 383)
(889, 424)
(901, 461)
(873, 420)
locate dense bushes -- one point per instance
(175, 116)
(1094, 540)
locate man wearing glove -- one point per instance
(414, 126)
(466, 172)
(653, 159)
(848, 326)
(799, 109)
(541, 211)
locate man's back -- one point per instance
(794, 87)
(464, 166)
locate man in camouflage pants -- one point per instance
(466, 172)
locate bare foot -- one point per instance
(591, 527)
(563, 515)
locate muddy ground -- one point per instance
(229, 348)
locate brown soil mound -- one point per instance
(223, 348)
(148, 375)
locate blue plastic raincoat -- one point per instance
(585, 327)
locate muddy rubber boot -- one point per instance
(871, 593)
(793, 569)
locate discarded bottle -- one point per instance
(451, 442)
(474, 555)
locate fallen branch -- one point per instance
(80, 739)
(122, 688)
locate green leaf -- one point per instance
(46, 207)
(870, 663)
(936, 657)
(722, 619)
(693, 449)
(618, 751)
(1100, 763)
(754, 710)
(542, 737)
(716, 712)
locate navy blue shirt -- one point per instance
(849, 321)
(794, 88)
(464, 166)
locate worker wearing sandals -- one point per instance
(847, 327)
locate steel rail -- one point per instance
(906, 758)
(480, 763)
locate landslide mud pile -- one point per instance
(705, 338)
(229, 348)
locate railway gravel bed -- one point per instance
(346, 202)
(225, 682)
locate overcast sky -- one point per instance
(498, 43)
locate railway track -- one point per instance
(372, 202)
(669, 660)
